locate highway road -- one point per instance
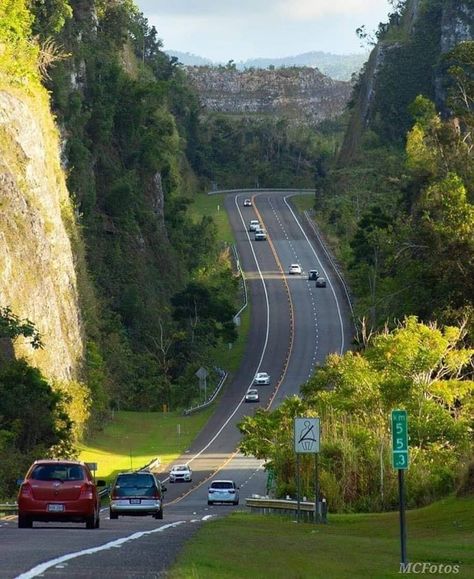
(294, 327)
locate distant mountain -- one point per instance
(190, 59)
(337, 66)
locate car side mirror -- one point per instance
(100, 483)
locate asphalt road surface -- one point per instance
(294, 327)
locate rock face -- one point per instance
(37, 274)
(301, 94)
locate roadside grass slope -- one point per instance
(362, 545)
(133, 439)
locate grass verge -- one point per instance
(303, 202)
(364, 545)
(213, 206)
(132, 439)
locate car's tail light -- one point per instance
(25, 490)
(87, 491)
(157, 494)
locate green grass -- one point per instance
(303, 202)
(132, 439)
(365, 545)
(213, 205)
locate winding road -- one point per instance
(294, 327)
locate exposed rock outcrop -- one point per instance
(301, 94)
(37, 273)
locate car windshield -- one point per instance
(180, 468)
(134, 484)
(222, 485)
(64, 472)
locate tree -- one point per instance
(420, 367)
(11, 326)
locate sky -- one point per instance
(222, 30)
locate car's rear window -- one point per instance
(134, 484)
(64, 472)
(222, 485)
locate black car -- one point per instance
(313, 274)
(320, 282)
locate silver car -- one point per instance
(223, 491)
(137, 493)
(181, 473)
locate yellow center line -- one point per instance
(285, 367)
(290, 303)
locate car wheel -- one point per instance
(113, 515)
(210, 503)
(97, 522)
(159, 514)
(91, 522)
(235, 503)
(24, 522)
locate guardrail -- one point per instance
(288, 507)
(8, 508)
(211, 399)
(262, 189)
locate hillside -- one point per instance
(407, 61)
(303, 95)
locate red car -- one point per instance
(59, 491)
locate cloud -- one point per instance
(316, 9)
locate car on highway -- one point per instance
(59, 491)
(260, 235)
(254, 225)
(261, 378)
(136, 493)
(181, 473)
(313, 274)
(247, 203)
(223, 491)
(252, 395)
(321, 282)
(295, 269)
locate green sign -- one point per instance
(399, 439)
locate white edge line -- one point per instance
(341, 323)
(197, 455)
(42, 567)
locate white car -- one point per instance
(181, 473)
(295, 269)
(260, 235)
(247, 203)
(261, 378)
(254, 225)
(252, 395)
(223, 491)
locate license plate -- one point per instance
(135, 501)
(55, 508)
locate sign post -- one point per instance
(307, 432)
(400, 462)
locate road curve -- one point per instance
(294, 326)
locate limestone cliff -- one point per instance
(301, 94)
(37, 273)
(407, 61)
